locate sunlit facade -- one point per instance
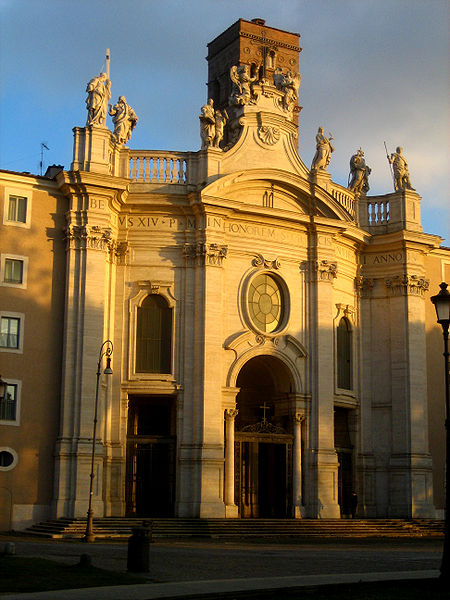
(274, 347)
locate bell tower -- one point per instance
(254, 44)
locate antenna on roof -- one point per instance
(41, 164)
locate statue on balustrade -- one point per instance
(241, 92)
(288, 84)
(401, 171)
(124, 119)
(324, 149)
(207, 124)
(99, 93)
(220, 119)
(359, 174)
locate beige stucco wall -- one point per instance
(27, 488)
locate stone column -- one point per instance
(297, 466)
(231, 510)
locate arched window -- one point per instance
(154, 336)
(344, 355)
(270, 60)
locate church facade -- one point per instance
(272, 344)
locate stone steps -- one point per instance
(118, 528)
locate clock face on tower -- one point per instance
(265, 301)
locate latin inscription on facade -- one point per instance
(96, 204)
(344, 252)
(382, 259)
(175, 223)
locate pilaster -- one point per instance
(322, 271)
(91, 254)
(208, 257)
(410, 461)
(365, 460)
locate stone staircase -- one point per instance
(233, 529)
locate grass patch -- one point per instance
(27, 574)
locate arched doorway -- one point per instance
(263, 439)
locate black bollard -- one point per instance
(138, 560)
(85, 560)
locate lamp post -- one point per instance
(442, 305)
(106, 349)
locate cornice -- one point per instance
(28, 180)
(404, 237)
(86, 179)
(269, 41)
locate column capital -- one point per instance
(299, 418)
(326, 270)
(402, 285)
(229, 397)
(205, 253)
(231, 413)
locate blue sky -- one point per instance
(372, 71)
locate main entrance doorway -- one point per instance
(263, 484)
(263, 440)
(151, 447)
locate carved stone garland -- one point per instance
(260, 261)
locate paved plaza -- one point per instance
(181, 567)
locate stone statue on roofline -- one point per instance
(324, 149)
(99, 93)
(401, 171)
(207, 124)
(359, 174)
(289, 85)
(124, 119)
(220, 118)
(241, 92)
(212, 124)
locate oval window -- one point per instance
(266, 305)
(6, 459)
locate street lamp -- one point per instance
(442, 305)
(106, 349)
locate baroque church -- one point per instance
(264, 338)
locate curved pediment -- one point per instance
(274, 189)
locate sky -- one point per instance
(373, 71)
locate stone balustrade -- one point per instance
(344, 197)
(148, 166)
(377, 212)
